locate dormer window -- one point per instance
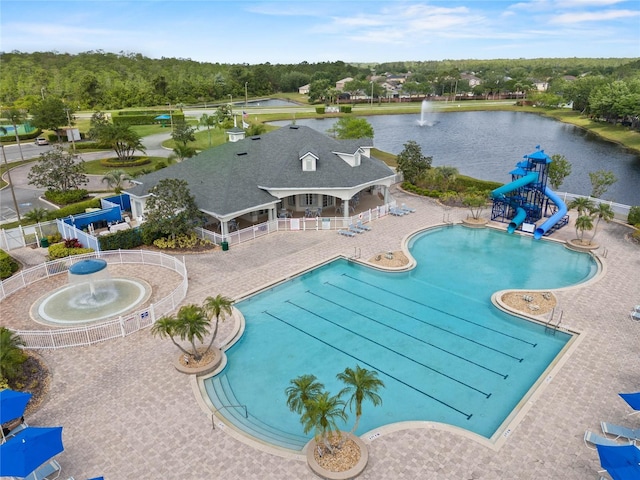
(308, 162)
(356, 158)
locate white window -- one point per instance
(327, 200)
(307, 200)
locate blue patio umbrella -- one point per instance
(622, 462)
(633, 399)
(12, 404)
(163, 117)
(29, 449)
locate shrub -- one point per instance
(320, 110)
(59, 250)
(124, 239)
(72, 243)
(74, 209)
(55, 238)
(345, 108)
(634, 216)
(60, 197)
(181, 241)
(116, 163)
(8, 266)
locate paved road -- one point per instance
(28, 196)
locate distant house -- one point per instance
(472, 79)
(304, 90)
(293, 168)
(341, 83)
(541, 85)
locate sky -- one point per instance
(367, 31)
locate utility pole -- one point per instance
(245, 94)
(13, 194)
(70, 131)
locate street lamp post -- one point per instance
(371, 93)
(245, 94)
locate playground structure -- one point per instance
(525, 200)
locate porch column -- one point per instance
(272, 213)
(345, 208)
(225, 229)
(386, 195)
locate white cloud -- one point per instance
(604, 15)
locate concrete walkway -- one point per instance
(127, 413)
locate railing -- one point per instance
(294, 225)
(98, 332)
(213, 415)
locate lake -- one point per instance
(487, 145)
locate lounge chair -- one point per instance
(396, 211)
(635, 315)
(346, 233)
(595, 439)
(362, 226)
(621, 432)
(406, 209)
(46, 471)
(354, 229)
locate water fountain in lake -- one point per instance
(91, 295)
(427, 116)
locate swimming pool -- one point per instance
(444, 352)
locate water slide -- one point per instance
(553, 219)
(521, 214)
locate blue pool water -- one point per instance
(444, 352)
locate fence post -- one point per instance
(121, 322)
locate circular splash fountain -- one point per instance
(91, 295)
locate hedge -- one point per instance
(8, 266)
(142, 118)
(122, 239)
(58, 250)
(73, 209)
(116, 163)
(634, 216)
(66, 197)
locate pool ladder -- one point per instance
(357, 253)
(550, 326)
(447, 219)
(213, 415)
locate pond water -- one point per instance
(487, 145)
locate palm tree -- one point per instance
(602, 211)
(218, 307)
(37, 214)
(583, 222)
(15, 116)
(582, 204)
(11, 355)
(115, 179)
(301, 391)
(192, 323)
(208, 121)
(363, 385)
(166, 327)
(321, 414)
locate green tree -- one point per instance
(190, 323)
(361, 384)
(558, 170)
(11, 354)
(351, 128)
(50, 114)
(124, 141)
(602, 211)
(218, 308)
(583, 222)
(99, 120)
(183, 151)
(318, 90)
(301, 391)
(171, 209)
(322, 413)
(167, 327)
(58, 170)
(15, 116)
(582, 204)
(183, 132)
(411, 162)
(475, 202)
(601, 180)
(3, 131)
(224, 116)
(207, 121)
(116, 179)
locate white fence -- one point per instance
(294, 225)
(24, 236)
(98, 332)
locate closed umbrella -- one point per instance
(622, 462)
(29, 449)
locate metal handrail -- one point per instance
(213, 423)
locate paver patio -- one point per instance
(127, 413)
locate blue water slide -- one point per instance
(516, 184)
(553, 219)
(516, 221)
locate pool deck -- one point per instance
(127, 413)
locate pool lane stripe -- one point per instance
(484, 345)
(504, 376)
(442, 311)
(435, 370)
(441, 402)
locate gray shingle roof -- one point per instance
(226, 179)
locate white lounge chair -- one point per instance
(354, 229)
(362, 226)
(632, 434)
(407, 209)
(635, 315)
(346, 233)
(49, 471)
(396, 211)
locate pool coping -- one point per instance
(500, 436)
